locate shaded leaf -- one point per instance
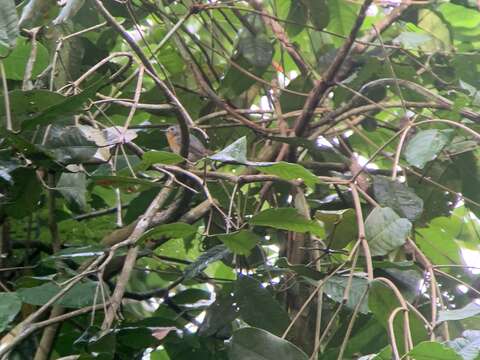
(70, 106)
(398, 196)
(161, 157)
(210, 256)
(240, 242)
(430, 350)
(73, 187)
(172, 230)
(258, 307)
(287, 219)
(385, 230)
(319, 14)
(17, 60)
(425, 146)
(256, 49)
(8, 23)
(10, 305)
(335, 289)
(80, 295)
(340, 227)
(257, 344)
(290, 171)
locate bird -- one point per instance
(196, 149)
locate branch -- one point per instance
(323, 85)
(184, 120)
(141, 226)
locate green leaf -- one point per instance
(382, 302)
(290, 171)
(8, 23)
(430, 350)
(287, 219)
(210, 256)
(340, 227)
(302, 270)
(80, 295)
(10, 305)
(24, 104)
(334, 288)
(220, 314)
(468, 346)
(256, 49)
(465, 312)
(398, 196)
(297, 18)
(426, 145)
(258, 307)
(385, 230)
(23, 198)
(70, 106)
(124, 182)
(257, 344)
(73, 187)
(70, 145)
(172, 230)
(17, 60)
(235, 152)
(319, 14)
(342, 18)
(240, 242)
(437, 241)
(459, 16)
(433, 24)
(161, 157)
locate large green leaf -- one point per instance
(25, 104)
(398, 196)
(318, 13)
(69, 106)
(80, 295)
(429, 350)
(287, 219)
(385, 230)
(340, 226)
(438, 243)
(240, 242)
(258, 308)
(335, 289)
(382, 302)
(210, 256)
(70, 145)
(297, 18)
(257, 344)
(17, 60)
(172, 230)
(257, 49)
(10, 305)
(73, 187)
(8, 23)
(290, 171)
(161, 157)
(426, 145)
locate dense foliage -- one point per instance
(333, 216)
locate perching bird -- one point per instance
(196, 149)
